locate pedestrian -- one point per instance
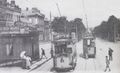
(51, 52)
(107, 64)
(22, 56)
(43, 53)
(110, 51)
(26, 60)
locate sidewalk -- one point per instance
(20, 70)
(47, 48)
(38, 64)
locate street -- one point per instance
(94, 64)
(83, 65)
(69, 36)
(44, 68)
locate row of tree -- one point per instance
(108, 30)
(62, 25)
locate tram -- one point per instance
(64, 55)
(89, 47)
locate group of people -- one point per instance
(108, 59)
(27, 61)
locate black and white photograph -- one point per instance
(59, 36)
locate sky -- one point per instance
(96, 10)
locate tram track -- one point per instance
(94, 61)
(85, 65)
(90, 64)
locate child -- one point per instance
(107, 64)
(28, 62)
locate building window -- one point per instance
(36, 21)
(0, 2)
(30, 20)
(41, 37)
(88, 42)
(9, 49)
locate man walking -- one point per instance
(43, 53)
(107, 64)
(110, 51)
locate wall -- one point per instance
(19, 44)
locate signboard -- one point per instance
(9, 29)
(13, 30)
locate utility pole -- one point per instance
(50, 28)
(65, 28)
(51, 35)
(51, 39)
(85, 14)
(76, 32)
(114, 32)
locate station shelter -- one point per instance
(13, 41)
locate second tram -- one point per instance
(89, 47)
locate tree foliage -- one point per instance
(108, 29)
(61, 24)
(58, 24)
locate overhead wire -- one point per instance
(85, 14)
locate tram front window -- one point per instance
(63, 49)
(58, 50)
(68, 50)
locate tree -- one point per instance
(62, 25)
(77, 26)
(108, 29)
(59, 24)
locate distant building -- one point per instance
(36, 18)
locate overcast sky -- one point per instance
(96, 10)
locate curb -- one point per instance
(44, 42)
(39, 65)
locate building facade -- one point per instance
(37, 19)
(16, 35)
(9, 13)
(12, 44)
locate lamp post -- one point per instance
(51, 36)
(114, 31)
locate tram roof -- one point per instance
(88, 37)
(63, 40)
